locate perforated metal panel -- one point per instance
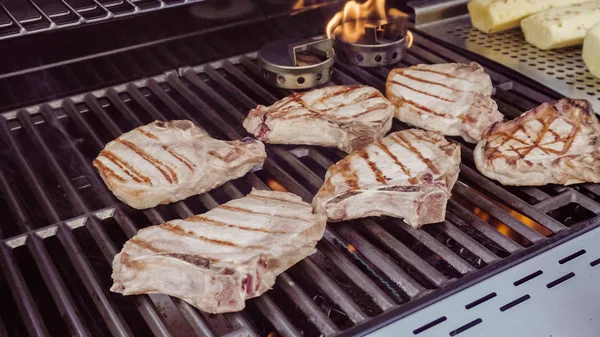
(562, 70)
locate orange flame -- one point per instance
(301, 4)
(358, 14)
(351, 248)
(275, 185)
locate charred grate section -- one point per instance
(61, 227)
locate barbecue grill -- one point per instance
(77, 74)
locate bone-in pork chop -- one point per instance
(347, 117)
(452, 98)
(217, 260)
(408, 174)
(551, 144)
(164, 162)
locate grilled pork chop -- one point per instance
(551, 144)
(408, 174)
(164, 162)
(347, 117)
(454, 99)
(217, 260)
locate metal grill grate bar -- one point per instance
(375, 256)
(465, 219)
(29, 176)
(29, 311)
(497, 212)
(403, 252)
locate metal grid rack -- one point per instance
(23, 17)
(562, 70)
(61, 227)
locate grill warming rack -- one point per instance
(24, 17)
(61, 227)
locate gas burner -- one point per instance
(372, 43)
(297, 63)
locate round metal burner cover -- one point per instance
(296, 63)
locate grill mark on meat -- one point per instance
(423, 137)
(200, 218)
(196, 260)
(126, 167)
(190, 258)
(375, 107)
(228, 157)
(317, 113)
(180, 157)
(147, 133)
(467, 118)
(287, 117)
(244, 210)
(345, 90)
(286, 104)
(378, 174)
(398, 138)
(448, 148)
(502, 137)
(150, 159)
(423, 92)
(436, 72)
(348, 174)
(387, 151)
(554, 134)
(144, 244)
(419, 106)
(178, 230)
(106, 171)
(255, 196)
(365, 97)
(419, 79)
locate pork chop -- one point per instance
(217, 260)
(408, 174)
(452, 98)
(551, 144)
(164, 162)
(347, 117)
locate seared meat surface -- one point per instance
(407, 174)
(346, 117)
(217, 260)
(551, 144)
(452, 98)
(164, 162)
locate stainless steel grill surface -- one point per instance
(61, 227)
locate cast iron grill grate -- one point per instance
(61, 227)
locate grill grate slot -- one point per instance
(49, 311)
(85, 303)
